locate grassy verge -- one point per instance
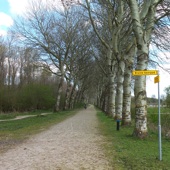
(14, 132)
(128, 152)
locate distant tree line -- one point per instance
(28, 84)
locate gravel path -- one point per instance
(73, 144)
(22, 117)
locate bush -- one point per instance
(29, 97)
(36, 96)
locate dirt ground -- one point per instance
(74, 144)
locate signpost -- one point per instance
(144, 72)
(156, 80)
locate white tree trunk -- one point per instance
(126, 114)
(111, 90)
(119, 89)
(140, 97)
(111, 98)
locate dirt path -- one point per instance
(22, 117)
(74, 144)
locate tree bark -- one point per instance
(119, 89)
(111, 97)
(59, 93)
(126, 113)
(72, 96)
(111, 94)
(141, 129)
(67, 96)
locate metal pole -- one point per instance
(159, 123)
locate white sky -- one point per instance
(17, 7)
(152, 88)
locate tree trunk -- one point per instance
(67, 96)
(59, 93)
(103, 96)
(126, 114)
(141, 130)
(119, 89)
(111, 97)
(106, 103)
(72, 96)
(111, 90)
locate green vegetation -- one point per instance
(13, 132)
(28, 97)
(152, 110)
(128, 152)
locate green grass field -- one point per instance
(128, 152)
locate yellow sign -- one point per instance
(144, 72)
(157, 79)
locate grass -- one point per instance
(14, 132)
(128, 152)
(152, 110)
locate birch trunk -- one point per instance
(119, 89)
(126, 114)
(141, 130)
(111, 97)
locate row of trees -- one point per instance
(92, 47)
(126, 29)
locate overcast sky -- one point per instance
(11, 8)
